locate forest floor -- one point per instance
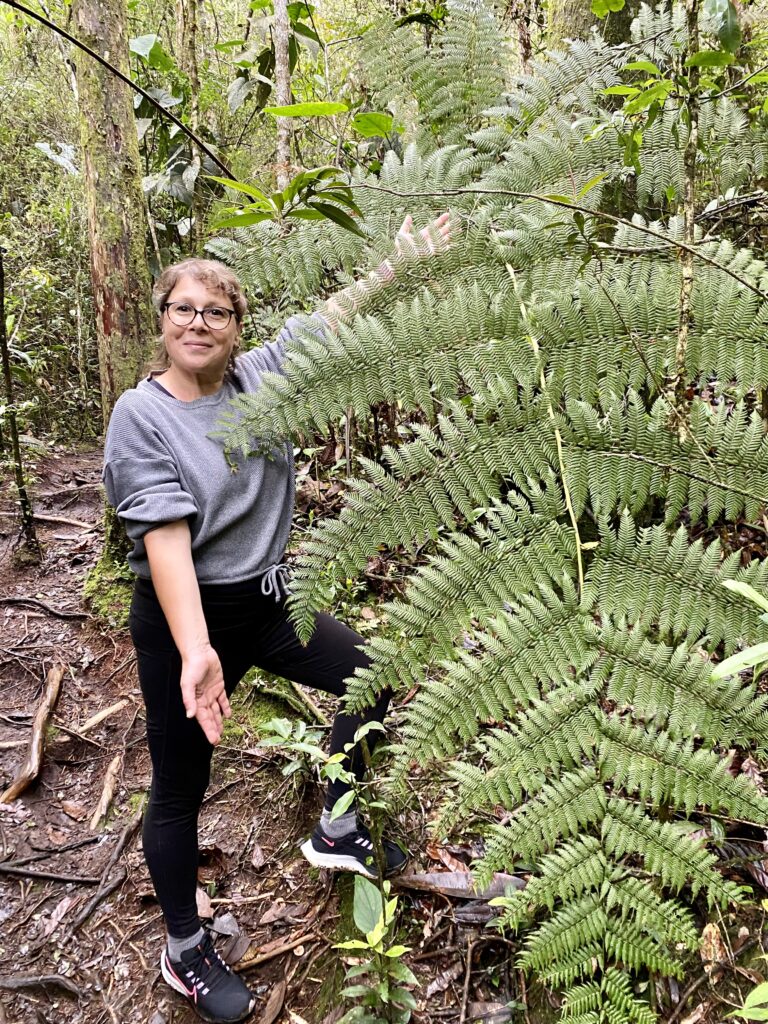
(80, 930)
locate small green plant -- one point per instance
(378, 982)
(754, 656)
(297, 742)
(755, 1005)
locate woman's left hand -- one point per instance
(434, 238)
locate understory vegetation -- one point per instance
(577, 449)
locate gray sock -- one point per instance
(178, 946)
(340, 826)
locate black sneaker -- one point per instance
(352, 852)
(214, 990)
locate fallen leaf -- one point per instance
(442, 980)
(235, 948)
(751, 769)
(712, 950)
(56, 836)
(157, 1018)
(74, 810)
(446, 857)
(258, 860)
(58, 915)
(282, 911)
(696, 1015)
(296, 1019)
(274, 1004)
(459, 884)
(367, 613)
(488, 1013)
(204, 907)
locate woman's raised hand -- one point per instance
(434, 238)
(203, 692)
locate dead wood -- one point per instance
(55, 519)
(44, 854)
(92, 722)
(32, 763)
(46, 607)
(102, 893)
(108, 790)
(40, 981)
(269, 952)
(51, 876)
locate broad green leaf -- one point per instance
(709, 59)
(397, 950)
(150, 49)
(249, 190)
(351, 944)
(242, 220)
(366, 905)
(621, 90)
(319, 109)
(729, 33)
(758, 996)
(643, 65)
(602, 8)
(744, 590)
(555, 197)
(304, 30)
(306, 215)
(343, 804)
(744, 659)
(338, 217)
(371, 124)
(368, 727)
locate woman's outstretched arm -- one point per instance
(169, 552)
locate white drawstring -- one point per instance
(274, 579)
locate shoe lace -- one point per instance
(207, 965)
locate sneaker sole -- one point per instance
(334, 861)
(170, 979)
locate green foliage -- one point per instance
(379, 981)
(568, 527)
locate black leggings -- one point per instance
(246, 629)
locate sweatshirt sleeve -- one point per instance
(140, 476)
(270, 357)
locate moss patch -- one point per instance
(107, 592)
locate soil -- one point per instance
(103, 967)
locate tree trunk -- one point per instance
(116, 222)
(573, 19)
(187, 29)
(281, 31)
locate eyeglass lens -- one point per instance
(181, 314)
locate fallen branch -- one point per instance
(46, 607)
(93, 721)
(270, 954)
(51, 876)
(108, 790)
(95, 900)
(40, 981)
(32, 763)
(44, 854)
(56, 519)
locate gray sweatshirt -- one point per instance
(161, 465)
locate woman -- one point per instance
(209, 540)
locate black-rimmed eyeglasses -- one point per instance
(182, 314)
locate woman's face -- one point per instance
(197, 348)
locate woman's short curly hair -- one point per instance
(213, 274)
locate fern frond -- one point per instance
(666, 850)
(676, 585)
(565, 807)
(635, 899)
(661, 769)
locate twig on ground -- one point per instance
(44, 854)
(108, 790)
(56, 519)
(32, 763)
(703, 979)
(46, 607)
(467, 977)
(95, 900)
(52, 876)
(285, 947)
(93, 721)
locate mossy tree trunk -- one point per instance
(281, 36)
(116, 220)
(573, 19)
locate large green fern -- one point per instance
(561, 621)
